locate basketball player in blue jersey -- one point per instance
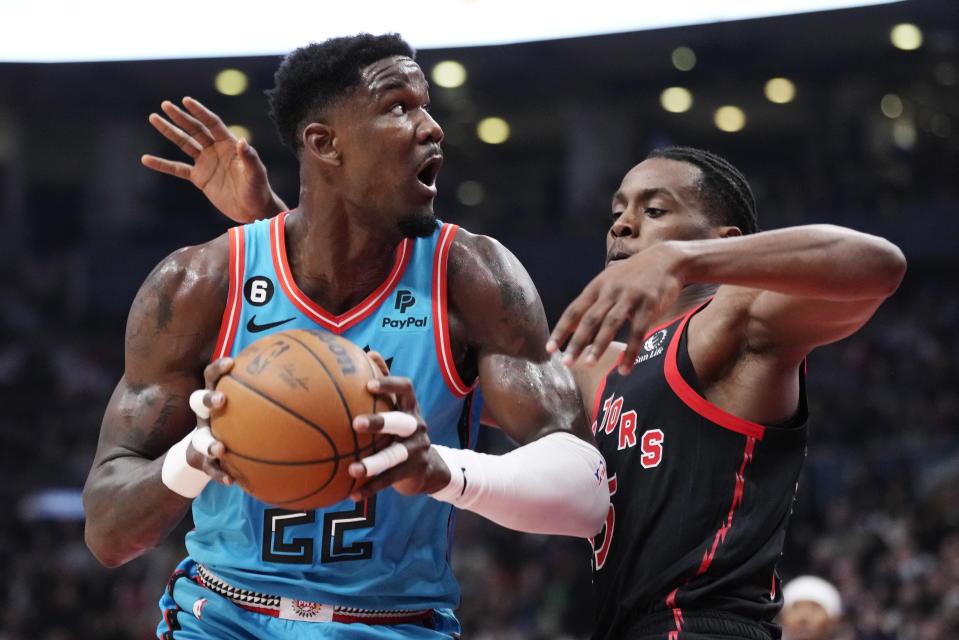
(364, 257)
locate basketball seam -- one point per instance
(296, 415)
(335, 460)
(284, 463)
(313, 493)
(339, 393)
(346, 407)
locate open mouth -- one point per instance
(615, 256)
(430, 169)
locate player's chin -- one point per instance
(418, 223)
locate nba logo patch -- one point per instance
(198, 608)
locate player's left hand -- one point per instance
(409, 464)
(635, 290)
(225, 168)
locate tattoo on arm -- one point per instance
(173, 402)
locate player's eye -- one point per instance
(653, 212)
(614, 215)
(398, 109)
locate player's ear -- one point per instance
(319, 140)
(728, 232)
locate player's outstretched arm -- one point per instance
(171, 331)
(789, 290)
(555, 481)
(225, 168)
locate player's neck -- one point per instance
(690, 297)
(334, 261)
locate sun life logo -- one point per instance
(653, 346)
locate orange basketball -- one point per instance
(288, 421)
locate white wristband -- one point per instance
(178, 475)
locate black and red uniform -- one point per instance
(700, 501)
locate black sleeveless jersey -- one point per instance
(699, 498)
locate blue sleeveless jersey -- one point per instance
(391, 551)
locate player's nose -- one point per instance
(624, 226)
(429, 129)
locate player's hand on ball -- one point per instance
(378, 360)
(205, 451)
(409, 464)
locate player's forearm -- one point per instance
(815, 261)
(554, 485)
(128, 509)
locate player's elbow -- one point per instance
(594, 516)
(891, 267)
(585, 502)
(105, 553)
(882, 263)
(106, 545)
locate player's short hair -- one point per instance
(313, 77)
(723, 187)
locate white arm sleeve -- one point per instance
(555, 485)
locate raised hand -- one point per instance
(226, 168)
(635, 290)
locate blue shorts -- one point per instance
(193, 612)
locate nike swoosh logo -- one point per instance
(253, 327)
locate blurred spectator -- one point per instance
(811, 609)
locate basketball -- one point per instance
(287, 423)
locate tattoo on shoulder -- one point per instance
(164, 310)
(511, 295)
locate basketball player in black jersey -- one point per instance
(701, 413)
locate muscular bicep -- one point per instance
(797, 325)
(528, 393)
(785, 325)
(170, 333)
(146, 420)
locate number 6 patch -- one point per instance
(258, 290)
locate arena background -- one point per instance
(870, 140)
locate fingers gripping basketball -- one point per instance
(399, 424)
(287, 425)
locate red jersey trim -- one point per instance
(336, 324)
(231, 313)
(740, 487)
(441, 329)
(602, 385)
(695, 401)
(720, 536)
